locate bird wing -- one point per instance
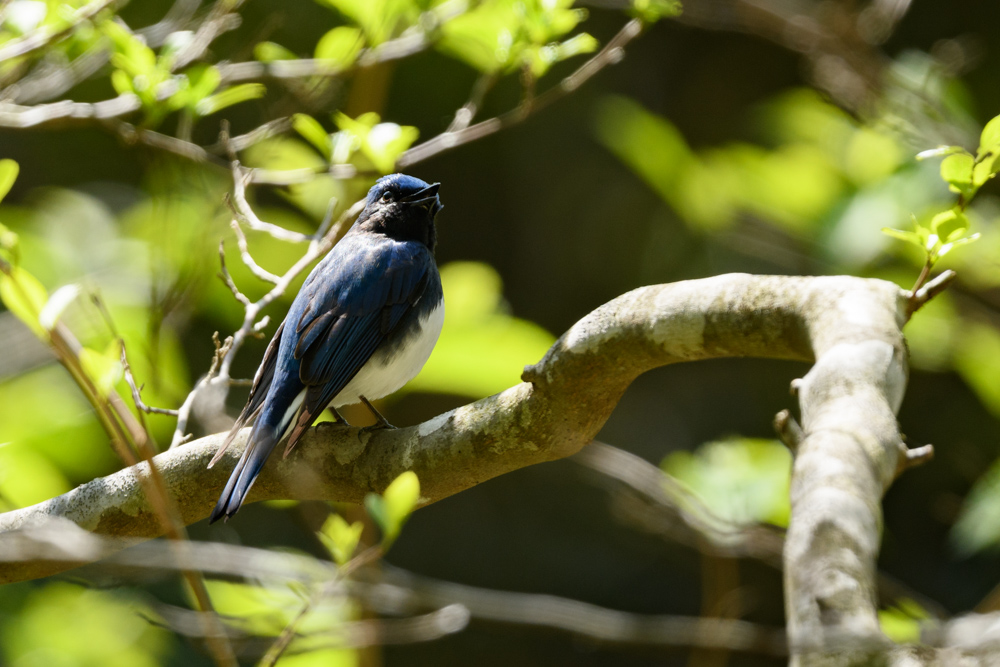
(261, 383)
(351, 309)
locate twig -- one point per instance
(328, 588)
(612, 53)
(922, 293)
(136, 391)
(465, 115)
(241, 208)
(397, 591)
(45, 35)
(14, 115)
(241, 242)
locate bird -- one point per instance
(363, 324)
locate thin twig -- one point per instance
(611, 54)
(47, 34)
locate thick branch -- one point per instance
(560, 407)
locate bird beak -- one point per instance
(425, 199)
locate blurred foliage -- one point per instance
(63, 625)
(901, 623)
(742, 480)
(482, 349)
(803, 174)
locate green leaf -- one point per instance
(956, 170)
(230, 96)
(340, 46)
(340, 539)
(121, 82)
(103, 368)
(948, 247)
(983, 171)
(482, 349)
(653, 10)
(948, 222)
(940, 151)
(909, 237)
(313, 132)
(391, 510)
(386, 142)
(68, 625)
(978, 525)
(268, 52)
(8, 174)
(989, 140)
(25, 297)
(901, 623)
(742, 480)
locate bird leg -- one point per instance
(382, 422)
(338, 419)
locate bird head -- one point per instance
(403, 208)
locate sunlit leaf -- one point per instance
(977, 359)
(740, 480)
(24, 296)
(386, 142)
(340, 538)
(391, 510)
(268, 52)
(66, 625)
(313, 132)
(482, 349)
(948, 222)
(8, 174)
(103, 368)
(956, 170)
(901, 623)
(978, 525)
(653, 10)
(989, 140)
(909, 237)
(940, 151)
(26, 476)
(230, 96)
(340, 46)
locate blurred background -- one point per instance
(762, 136)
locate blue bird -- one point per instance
(362, 326)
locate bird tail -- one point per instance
(263, 438)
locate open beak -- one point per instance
(426, 199)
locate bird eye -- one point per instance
(386, 197)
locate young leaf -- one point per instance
(909, 237)
(945, 224)
(989, 140)
(8, 174)
(24, 296)
(940, 151)
(386, 142)
(313, 132)
(268, 52)
(340, 539)
(340, 46)
(393, 508)
(956, 170)
(229, 97)
(983, 169)
(103, 368)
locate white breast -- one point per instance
(383, 374)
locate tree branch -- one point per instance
(562, 404)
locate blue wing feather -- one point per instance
(346, 308)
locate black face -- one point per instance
(403, 208)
